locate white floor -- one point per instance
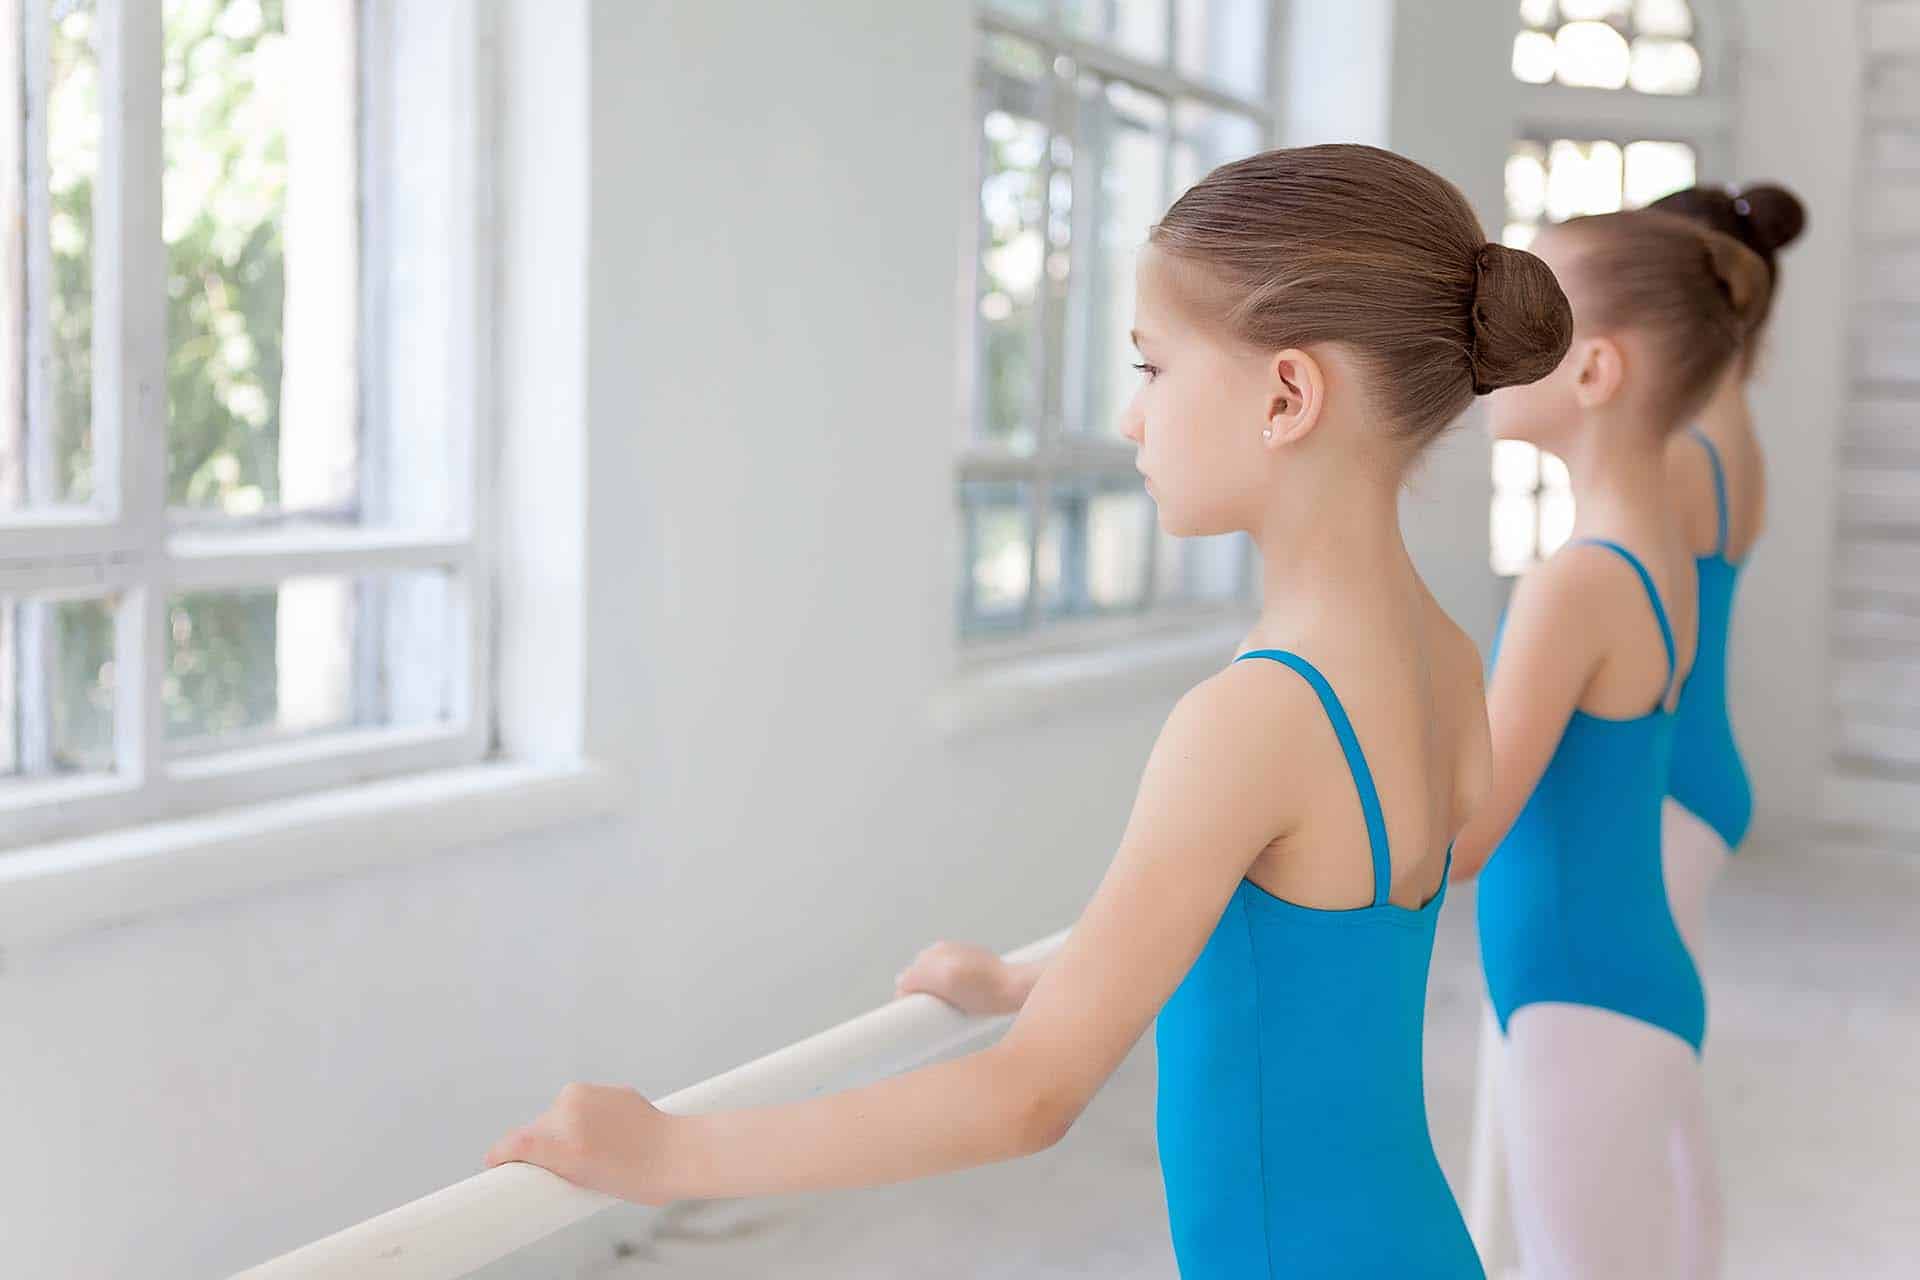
(1813, 1058)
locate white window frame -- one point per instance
(1704, 120)
(128, 547)
(1060, 453)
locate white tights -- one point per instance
(1609, 1156)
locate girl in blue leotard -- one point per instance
(1718, 485)
(1602, 1010)
(1308, 322)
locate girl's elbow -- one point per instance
(1041, 1119)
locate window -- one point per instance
(1092, 115)
(237, 553)
(1577, 155)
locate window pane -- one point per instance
(1665, 66)
(1030, 10)
(1594, 10)
(1591, 54)
(1013, 143)
(1225, 41)
(1583, 178)
(1526, 182)
(1094, 550)
(1655, 169)
(1556, 520)
(1516, 467)
(1534, 57)
(1663, 17)
(259, 207)
(51, 158)
(1519, 235)
(996, 555)
(1137, 28)
(1512, 533)
(309, 655)
(56, 693)
(1205, 139)
(1536, 13)
(1125, 130)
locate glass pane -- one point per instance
(1095, 547)
(56, 686)
(1205, 139)
(1595, 10)
(1553, 475)
(46, 388)
(1665, 66)
(1202, 570)
(1536, 13)
(1516, 467)
(260, 215)
(1591, 54)
(309, 655)
(1013, 144)
(1137, 28)
(1125, 129)
(1655, 169)
(1512, 533)
(1534, 57)
(1526, 182)
(1583, 178)
(1224, 41)
(996, 555)
(1556, 520)
(1663, 17)
(1519, 235)
(1030, 10)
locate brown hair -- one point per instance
(1765, 218)
(1697, 293)
(1359, 246)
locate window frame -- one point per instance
(1704, 120)
(1061, 455)
(131, 549)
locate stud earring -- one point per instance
(1267, 434)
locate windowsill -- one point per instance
(1021, 689)
(53, 890)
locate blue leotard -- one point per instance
(1708, 776)
(1573, 904)
(1292, 1116)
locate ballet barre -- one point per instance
(466, 1226)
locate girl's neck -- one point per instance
(1331, 540)
(1728, 416)
(1618, 474)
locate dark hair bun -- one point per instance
(1743, 277)
(1774, 218)
(1522, 322)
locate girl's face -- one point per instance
(1199, 412)
(1547, 412)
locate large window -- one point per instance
(237, 546)
(1093, 115)
(1613, 117)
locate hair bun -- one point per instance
(1743, 277)
(1774, 214)
(1521, 321)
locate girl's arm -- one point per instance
(972, 979)
(1206, 808)
(1549, 650)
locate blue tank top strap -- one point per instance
(1653, 598)
(1356, 763)
(1719, 487)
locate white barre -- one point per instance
(470, 1224)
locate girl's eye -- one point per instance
(1150, 370)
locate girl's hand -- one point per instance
(599, 1137)
(971, 979)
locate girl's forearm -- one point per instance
(954, 1115)
(1021, 980)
